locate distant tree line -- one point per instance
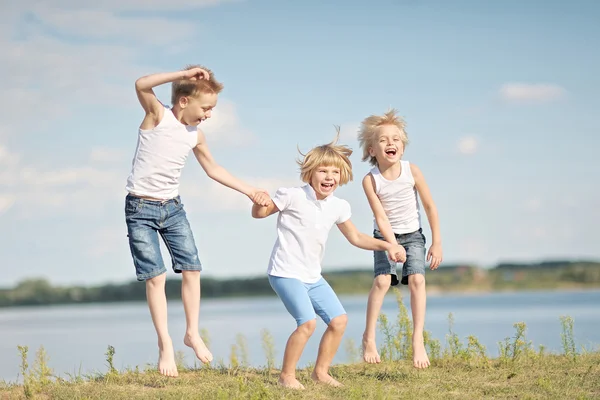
(514, 276)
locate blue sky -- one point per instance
(500, 98)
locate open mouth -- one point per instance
(326, 185)
(391, 152)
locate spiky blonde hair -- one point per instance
(370, 127)
(191, 88)
(327, 155)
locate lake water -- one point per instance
(76, 336)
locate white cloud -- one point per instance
(527, 92)
(224, 127)
(468, 145)
(349, 132)
(533, 204)
(106, 155)
(6, 202)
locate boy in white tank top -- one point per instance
(153, 206)
(392, 187)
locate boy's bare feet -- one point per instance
(195, 342)
(420, 359)
(370, 354)
(290, 382)
(325, 379)
(166, 359)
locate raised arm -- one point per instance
(366, 242)
(144, 89)
(435, 251)
(221, 175)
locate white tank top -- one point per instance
(159, 158)
(399, 200)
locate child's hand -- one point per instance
(397, 253)
(196, 74)
(435, 256)
(260, 197)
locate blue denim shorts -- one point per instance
(303, 300)
(146, 220)
(414, 244)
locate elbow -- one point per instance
(139, 84)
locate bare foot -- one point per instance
(196, 343)
(370, 354)
(290, 382)
(325, 379)
(166, 359)
(420, 359)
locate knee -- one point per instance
(307, 328)
(157, 281)
(382, 282)
(339, 323)
(190, 275)
(416, 281)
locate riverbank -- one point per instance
(539, 377)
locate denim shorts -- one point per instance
(303, 300)
(146, 220)
(414, 244)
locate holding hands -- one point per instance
(397, 253)
(260, 197)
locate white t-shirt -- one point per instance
(303, 226)
(399, 199)
(160, 156)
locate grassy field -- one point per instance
(460, 369)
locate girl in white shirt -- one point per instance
(306, 215)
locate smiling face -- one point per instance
(387, 146)
(196, 109)
(324, 180)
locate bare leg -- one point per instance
(190, 294)
(293, 350)
(418, 300)
(157, 302)
(327, 349)
(380, 287)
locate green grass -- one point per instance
(459, 370)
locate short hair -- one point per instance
(193, 88)
(370, 126)
(330, 154)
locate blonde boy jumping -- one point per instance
(391, 188)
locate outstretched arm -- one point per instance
(221, 175)
(435, 251)
(145, 93)
(366, 242)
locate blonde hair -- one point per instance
(370, 127)
(193, 88)
(326, 155)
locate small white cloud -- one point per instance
(527, 92)
(533, 204)
(7, 158)
(468, 145)
(6, 202)
(224, 127)
(349, 132)
(106, 155)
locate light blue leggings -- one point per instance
(303, 300)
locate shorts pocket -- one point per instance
(133, 207)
